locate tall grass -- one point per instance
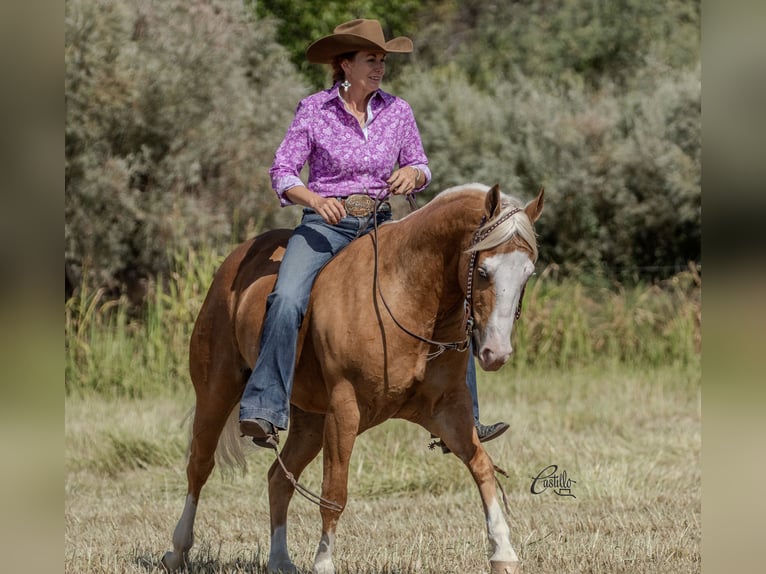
(566, 323)
(114, 350)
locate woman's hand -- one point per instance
(404, 180)
(331, 210)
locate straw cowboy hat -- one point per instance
(354, 36)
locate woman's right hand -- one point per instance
(329, 208)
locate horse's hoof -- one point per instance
(505, 567)
(172, 561)
(323, 567)
(286, 567)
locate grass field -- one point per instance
(630, 438)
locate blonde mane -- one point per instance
(518, 224)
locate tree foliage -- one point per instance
(174, 110)
(621, 170)
(595, 40)
(300, 23)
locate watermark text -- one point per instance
(550, 478)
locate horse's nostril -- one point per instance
(490, 358)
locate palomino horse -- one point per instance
(465, 256)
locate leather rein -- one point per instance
(468, 320)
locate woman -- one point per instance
(352, 136)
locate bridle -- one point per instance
(468, 320)
(479, 236)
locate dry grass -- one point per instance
(630, 439)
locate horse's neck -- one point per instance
(444, 227)
(432, 241)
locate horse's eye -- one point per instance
(482, 272)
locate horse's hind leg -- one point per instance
(304, 442)
(215, 400)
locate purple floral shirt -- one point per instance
(343, 157)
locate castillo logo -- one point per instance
(548, 477)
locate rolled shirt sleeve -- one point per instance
(291, 155)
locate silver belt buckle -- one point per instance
(359, 205)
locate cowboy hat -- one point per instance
(354, 36)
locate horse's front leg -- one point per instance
(455, 427)
(503, 559)
(340, 429)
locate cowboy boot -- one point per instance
(263, 433)
(485, 433)
(489, 432)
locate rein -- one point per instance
(300, 489)
(468, 320)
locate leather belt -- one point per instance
(360, 205)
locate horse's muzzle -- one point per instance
(492, 359)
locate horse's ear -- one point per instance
(534, 208)
(493, 204)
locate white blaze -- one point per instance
(509, 272)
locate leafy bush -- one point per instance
(173, 112)
(300, 23)
(591, 40)
(175, 109)
(621, 169)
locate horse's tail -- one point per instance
(230, 452)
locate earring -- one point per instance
(346, 85)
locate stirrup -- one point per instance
(262, 432)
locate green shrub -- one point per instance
(621, 170)
(300, 23)
(588, 40)
(173, 112)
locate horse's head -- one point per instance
(506, 251)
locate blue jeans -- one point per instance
(470, 381)
(313, 243)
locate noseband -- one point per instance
(468, 321)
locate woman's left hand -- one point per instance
(403, 180)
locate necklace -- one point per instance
(360, 116)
